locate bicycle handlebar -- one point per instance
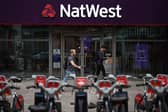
(139, 85)
(76, 87)
(32, 86)
(161, 89)
(123, 86)
(9, 87)
(109, 89)
(45, 89)
(14, 87)
(14, 79)
(157, 90)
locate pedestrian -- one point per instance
(71, 65)
(100, 57)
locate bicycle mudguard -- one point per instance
(38, 108)
(57, 106)
(119, 96)
(100, 105)
(39, 98)
(5, 105)
(81, 104)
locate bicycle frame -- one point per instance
(109, 89)
(104, 89)
(52, 90)
(153, 93)
(81, 83)
(5, 90)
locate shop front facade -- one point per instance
(42, 49)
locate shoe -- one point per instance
(63, 90)
(91, 105)
(72, 103)
(95, 80)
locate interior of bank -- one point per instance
(42, 49)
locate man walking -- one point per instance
(99, 61)
(71, 65)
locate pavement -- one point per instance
(68, 97)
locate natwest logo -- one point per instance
(88, 11)
(48, 11)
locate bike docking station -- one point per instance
(81, 96)
(111, 96)
(48, 99)
(154, 96)
(6, 92)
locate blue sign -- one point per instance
(141, 60)
(87, 44)
(57, 58)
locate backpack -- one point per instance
(65, 63)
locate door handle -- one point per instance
(84, 60)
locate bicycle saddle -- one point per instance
(38, 108)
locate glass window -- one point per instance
(142, 33)
(36, 56)
(7, 56)
(142, 57)
(35, 35)
(35, 32)
(23, 51)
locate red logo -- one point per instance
(48, 11)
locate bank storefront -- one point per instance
(43, 49)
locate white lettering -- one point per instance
(118, 8)
(63, 10)
(92, 10)
(103, 12)
(82, 8)
(111, 12)
(75, 12)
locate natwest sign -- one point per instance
(84, 12)
(88, 11)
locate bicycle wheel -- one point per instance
(18, 104)
(107, 106)
(5, 107)
(126, 106)
(115, 108)
(100, 107)
(58, 107)
(122, 108)
(81, 104)
(160, 106)
(137, 109)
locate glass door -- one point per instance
(86, 48)
(73, 42)
(91, 46)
